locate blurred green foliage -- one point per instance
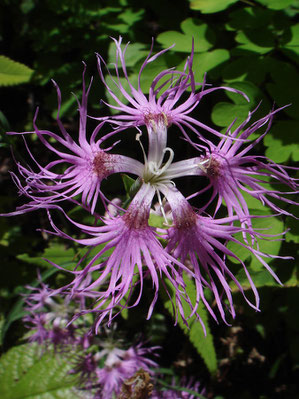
(250, 45)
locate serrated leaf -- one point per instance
(56, 253)
(210, 6)
(26, 374)
(12, 72)
(203, 344)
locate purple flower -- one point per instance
(201, 241)
(179, 394)
(130, 250)
(135, 247)
(85, 164)
(231, 169)
(190, 237)
(163, 106)
(109, 368)
(48, 315)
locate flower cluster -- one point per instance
(193, 242)
(100, 361)
(105, 371)
(48, 315)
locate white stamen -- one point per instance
(162, 207)
(202, 167)
(138, 135)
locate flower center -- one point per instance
(155, 172)
(211, 166)
(155, 121)
(102, 164)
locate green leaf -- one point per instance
(131, 185)
(130, 17)
(156, 221)
(292, 224)
(134, 53)
(12, 72)
(192, 28)
(151, 71)
(65, 107)
(128, 183)
(282, 142)
(259, 41)
(203, 344)
(148, 75)
(249, 18)
(5, 126)
(285, 77)
(26, 374)
(261, 277)
(250, 89)
(207, 61)
(224, 113)
(210, 6)
(56, 253)
(251, 69)
(293, 43)
(276, 4)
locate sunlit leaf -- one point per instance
(192, 28)
(134, 53)
(258, 41)
(269, 245)
(207, 61)
(12, 72)
(223, 114)
(56, 253)
(210, 6)
(203, 344)
(25, 373)
(282, 141)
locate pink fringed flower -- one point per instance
(108, 368)
(192, 239)
(48, 315)
(202, 241)
(85, 164)
(176, 393)
(137, 252)
(163, 106)
(231, 169)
